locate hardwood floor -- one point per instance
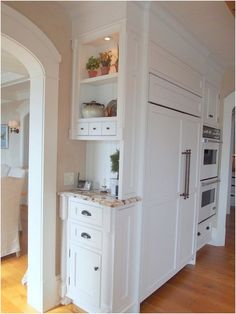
(207, 287)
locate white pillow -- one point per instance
(5, 170)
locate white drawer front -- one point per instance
(95, 128)
(83, 129)
(87, 236)
(109, 128)
(204, 233)
(85, 213)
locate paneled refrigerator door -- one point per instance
(161, 198)
(187, 216)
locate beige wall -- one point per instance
(52, 19)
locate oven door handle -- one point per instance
(187, 154)
(207, 140)
(210, 182)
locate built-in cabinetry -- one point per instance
(102, 88)
(211, 105)
(101, 253)
(165, 92)
(171, 184)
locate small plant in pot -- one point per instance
(115, 158)
(92, 65)
(105, 60)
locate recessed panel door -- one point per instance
(189, 178)
(84, 276)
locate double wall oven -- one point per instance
(209, 172)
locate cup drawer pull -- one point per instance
(86, 213)
(85, 235)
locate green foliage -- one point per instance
(105, 58)
(115, 161)
(93, 63)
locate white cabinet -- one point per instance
(103, 88)
(84, 279)
(100, 258)
(169, 222)
(211, 105)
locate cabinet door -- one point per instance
(84, 276)
(188, 207)
(169, 221)
(211, 105)
(161, 197)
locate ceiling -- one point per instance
(211, 22)
(14, 79)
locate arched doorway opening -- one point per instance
(34, 50)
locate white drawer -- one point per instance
(85, 213)
(109, 128)
(95, 128)
(83, 129)
(204, 233)
(85, 235)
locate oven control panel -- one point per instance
(209, 132)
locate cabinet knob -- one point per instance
(108, 128)
(207, 228)
(210, 115)
(214, 208)
(86, 213)
(199, 233)
(96, 268)
(85, 235)
(94, 128)
(81, 128)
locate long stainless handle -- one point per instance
(186, 176)
(188, 157)
(210, 182)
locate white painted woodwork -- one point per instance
(204, 230)
(83, 280)
(169, 221)
(129, 145)
(100, 271)
(169, 95)
(211, 105)
(166, 65)
(22, 39)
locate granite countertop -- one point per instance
(101, 198)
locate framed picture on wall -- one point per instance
(4, 136)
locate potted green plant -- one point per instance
(115, 158)
(92, 65)
(105, 60)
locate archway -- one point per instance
(30, 46)
(225, 170)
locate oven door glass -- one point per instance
(210, 156)
(208, 197)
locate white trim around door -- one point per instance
(34, 50)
